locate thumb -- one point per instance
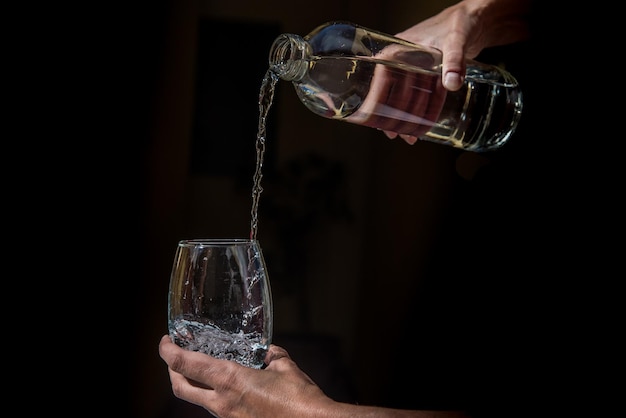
(453, 64)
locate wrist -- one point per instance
(501, 22)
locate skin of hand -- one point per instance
(463, 30)
(229, 390)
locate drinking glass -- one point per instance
(220, 300)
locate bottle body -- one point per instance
(347, 72)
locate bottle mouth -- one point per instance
(287, 57)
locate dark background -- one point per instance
(406, 276)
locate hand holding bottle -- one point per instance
(462, 31)
(348, 72)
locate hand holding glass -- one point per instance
(220, 300)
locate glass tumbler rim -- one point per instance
(208, 242)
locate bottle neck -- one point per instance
(288, 57)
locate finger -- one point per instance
(453, 61)
(205, 370)
(409, 139)
(389, 134)
(275, 353)
(190, 391)
(167, 348)
(453, 80)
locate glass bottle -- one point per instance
(348, 72)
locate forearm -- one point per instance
(345, 410)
